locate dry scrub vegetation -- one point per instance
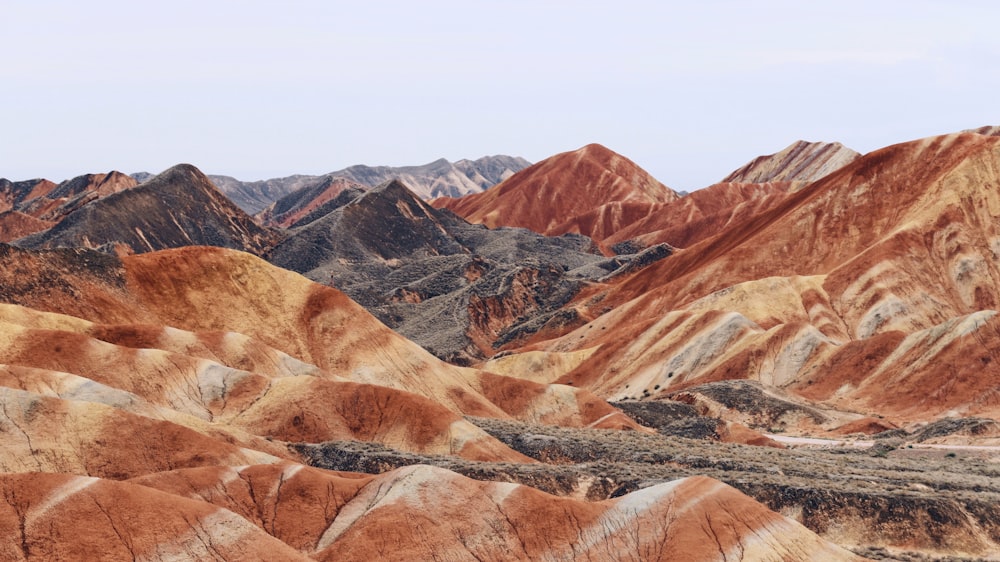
(932, 502)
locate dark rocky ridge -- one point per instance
(752, 399)
(179, 207)
(455, 288)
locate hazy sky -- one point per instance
(689, 90)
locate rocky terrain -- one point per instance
(459, 290)
(796, 363)
(156, 395)
(179, 207)
(902, 502)
(305, 205)
(815, 296)
(27, 207)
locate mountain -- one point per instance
(202, 401)
(46, 201)
(701, 214)
(459, 290)
(872, 277)
(255, 196)
(591, 191)
(15, 224)
(311, 202)
(203, 289)
(436, 179)
(440, 178)
(800, 161)
(13, 193)
(179, 207)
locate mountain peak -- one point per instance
(178, 207)
(549, 196)
(799, 161)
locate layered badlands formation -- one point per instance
(286, 511)
(883, 274)
(607, 197)
(151, 395)
(167, 397)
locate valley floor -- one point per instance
(883, 500)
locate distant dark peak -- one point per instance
(392, 188)
(180, 170)
(393, 193)
(181, 175)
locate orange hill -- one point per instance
(591, 191)
(875, 275)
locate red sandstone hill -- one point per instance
(591, 191)
(880, 274)
(146, 402)
(202, 289)
(701, 214)
(290, 512)
(15, 224)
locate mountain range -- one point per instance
(576, 362)
(435, 179)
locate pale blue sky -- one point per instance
(688, 90)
